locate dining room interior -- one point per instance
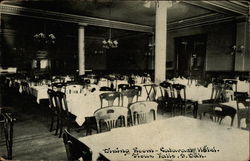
(124, 80)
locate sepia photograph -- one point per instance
(125, 80)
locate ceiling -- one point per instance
(134, 11)
(180, 15)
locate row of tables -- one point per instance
(176, 138)
(84, 104)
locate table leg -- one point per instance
(195, 109)
(148, 93)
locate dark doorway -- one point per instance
(190, 54)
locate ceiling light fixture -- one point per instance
(43, 40)
(109, 43)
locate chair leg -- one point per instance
(88, 131)
(51, 124)
(60, 133)
(200, 115)
(220, 120)
(217, 119)
(185, 109)
(239, 122)
(61, 129)
(211, 117)
(155, 115)
(232, 120)
(195, 110)
(67, 126)
(172, 110)
(58, 122)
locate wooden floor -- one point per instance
(32, 139)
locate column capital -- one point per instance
(82, 24)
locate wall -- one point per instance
(130, 54)
(18, 48)
(95, 55)
(242, 58)
(220, 39)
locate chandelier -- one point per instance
(43, 38)
(44, 41)
(109, 43)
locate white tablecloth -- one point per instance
(177, 133)
(193, 92)
(243, 86)
(40, 92)
(85, 104)
(82, 105)
(198, 93)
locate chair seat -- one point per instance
(208, 101)
(90, 124)
(181, 101)
(222, 113)
(68, 117)
(226, 111)
(6, 109)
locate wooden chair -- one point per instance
(179, 101)
(138, 88)
(166, 90)
(242, 112)
(231, 83)
(76, 149)
(131, 81)
(110, 116)
(248, 121)
(130, 94)
(54, 109)
(106, 89)
(57, 79)
(65, 117)
(221, 114)
(165, 101)
(112, 82)
(16, 86)
(27, 94)
(122, 87)
(139, 111)
(6, 125)
(74, 88)
(110, 97)
(87, 81)
(25, 88)
(58, 87)
(210, 106)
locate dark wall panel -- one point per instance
(220, 39)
